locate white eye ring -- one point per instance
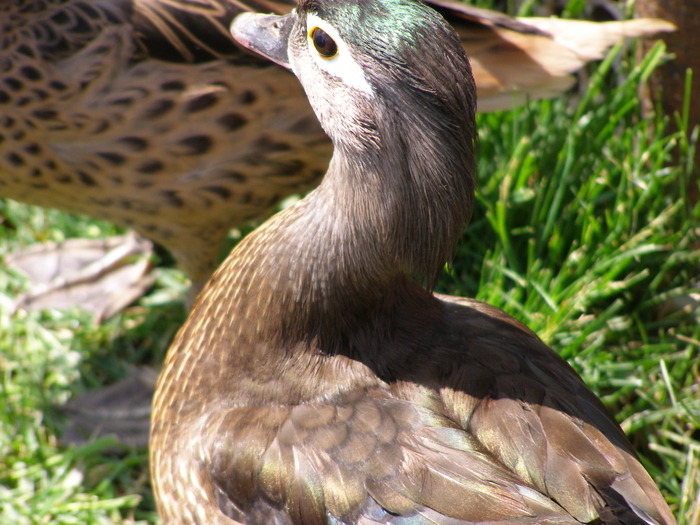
(341, 65)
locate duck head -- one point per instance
(392, 87)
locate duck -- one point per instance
(320, 380)
(147, 114)
(144, 113)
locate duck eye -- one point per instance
(323, 43)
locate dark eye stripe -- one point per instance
(323, 43)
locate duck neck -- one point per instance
(376, 231)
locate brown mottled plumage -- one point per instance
(319, 381)
(106, 111)
(145, 113)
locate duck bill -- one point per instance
(266, 35)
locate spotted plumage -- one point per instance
(179, 148)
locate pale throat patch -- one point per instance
(342, 65)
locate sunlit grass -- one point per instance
(584, 232)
